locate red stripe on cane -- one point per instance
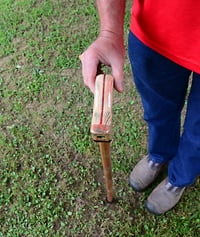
(102, 105)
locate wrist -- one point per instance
(110, 34)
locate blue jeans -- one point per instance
(163, 85)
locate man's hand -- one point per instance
(109, 50)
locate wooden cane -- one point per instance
(101, 124)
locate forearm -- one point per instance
(111, 13)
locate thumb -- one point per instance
(118, 75)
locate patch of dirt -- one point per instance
(99, 176)
(5, 60)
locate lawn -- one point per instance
(51, 178)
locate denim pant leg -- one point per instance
(185, 166)
(162, 85)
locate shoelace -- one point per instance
(153, 164)
(172, 188)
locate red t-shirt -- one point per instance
(170, 27)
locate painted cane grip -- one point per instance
(102, 110)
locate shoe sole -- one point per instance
(151, 210)
(134, 186)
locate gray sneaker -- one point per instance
(164, 197)
(144, 173)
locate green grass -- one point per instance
(51, 180)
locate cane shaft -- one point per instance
(106, 161)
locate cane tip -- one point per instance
(109, 201)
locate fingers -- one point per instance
(89, 71)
